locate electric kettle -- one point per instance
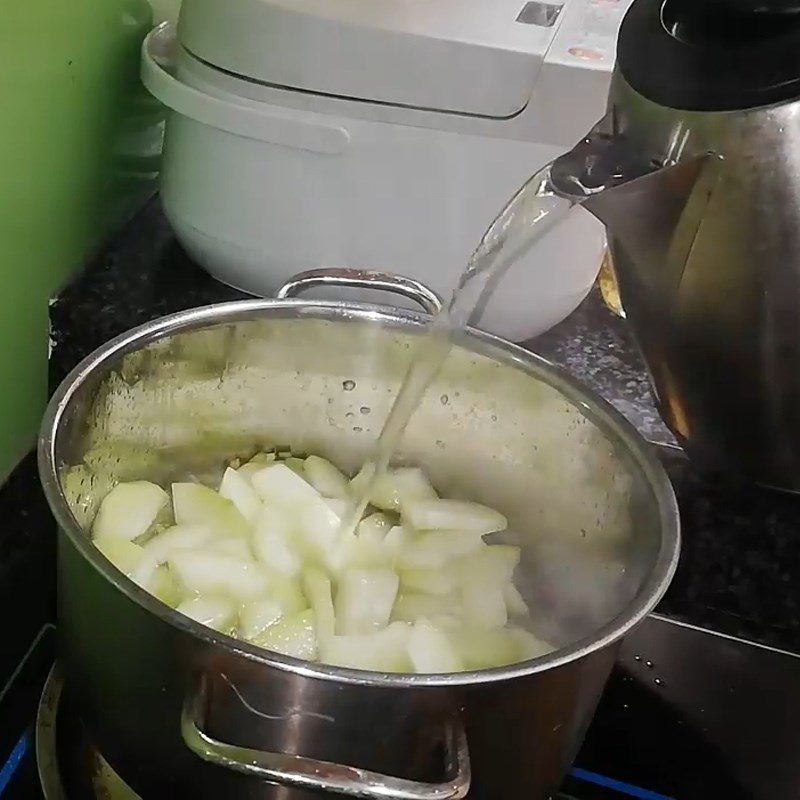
(695, 170)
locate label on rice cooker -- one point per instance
(589, 32)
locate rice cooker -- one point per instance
(382, 134)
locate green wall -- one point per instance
(79, 142)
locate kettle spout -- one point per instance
(603, 160)
(644, 203)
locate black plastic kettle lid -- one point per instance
(712, 55)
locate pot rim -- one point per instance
(601, 413)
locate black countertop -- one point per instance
(740, 566)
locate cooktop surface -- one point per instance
(687, 714)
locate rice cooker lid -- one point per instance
(464, 56)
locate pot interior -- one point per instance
(592, 511)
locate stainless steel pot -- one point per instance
(181, 711)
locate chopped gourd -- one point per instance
(123, 554)
(383, 651)
(361, 552)
(158, 549)
(453, 515)
(237, 489)
(374, 527)
(396, 539)
(257, 615)
(318, 526)
(205, 571)
(395, 486)
(482, 649)
(163, 586)
(318, 591)
(279, 486)
(286, 592)
(430, 650)
(436, 549)
(484, 606)
(296, 465)
(267, 558)
(256, 463)
(365, 599)
(128, 510)
(293, 636)
(272, 541)
(233, 547)
(218, 613)
(263, 458)
(339, 507)
(325, 477)
(196, 504)
(431, 581)
(493, 565)
(313, 518)
(515, 602)
(532, 647)
(411, 606)
(178, 537)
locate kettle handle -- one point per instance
(309, 773)
(362, 279)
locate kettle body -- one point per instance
(708, 267)
(715, 305)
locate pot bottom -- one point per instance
(70, 766)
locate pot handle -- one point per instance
(363, 279)
(309, 773)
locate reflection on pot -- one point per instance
(607, 281)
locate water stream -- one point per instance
(533, 211)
